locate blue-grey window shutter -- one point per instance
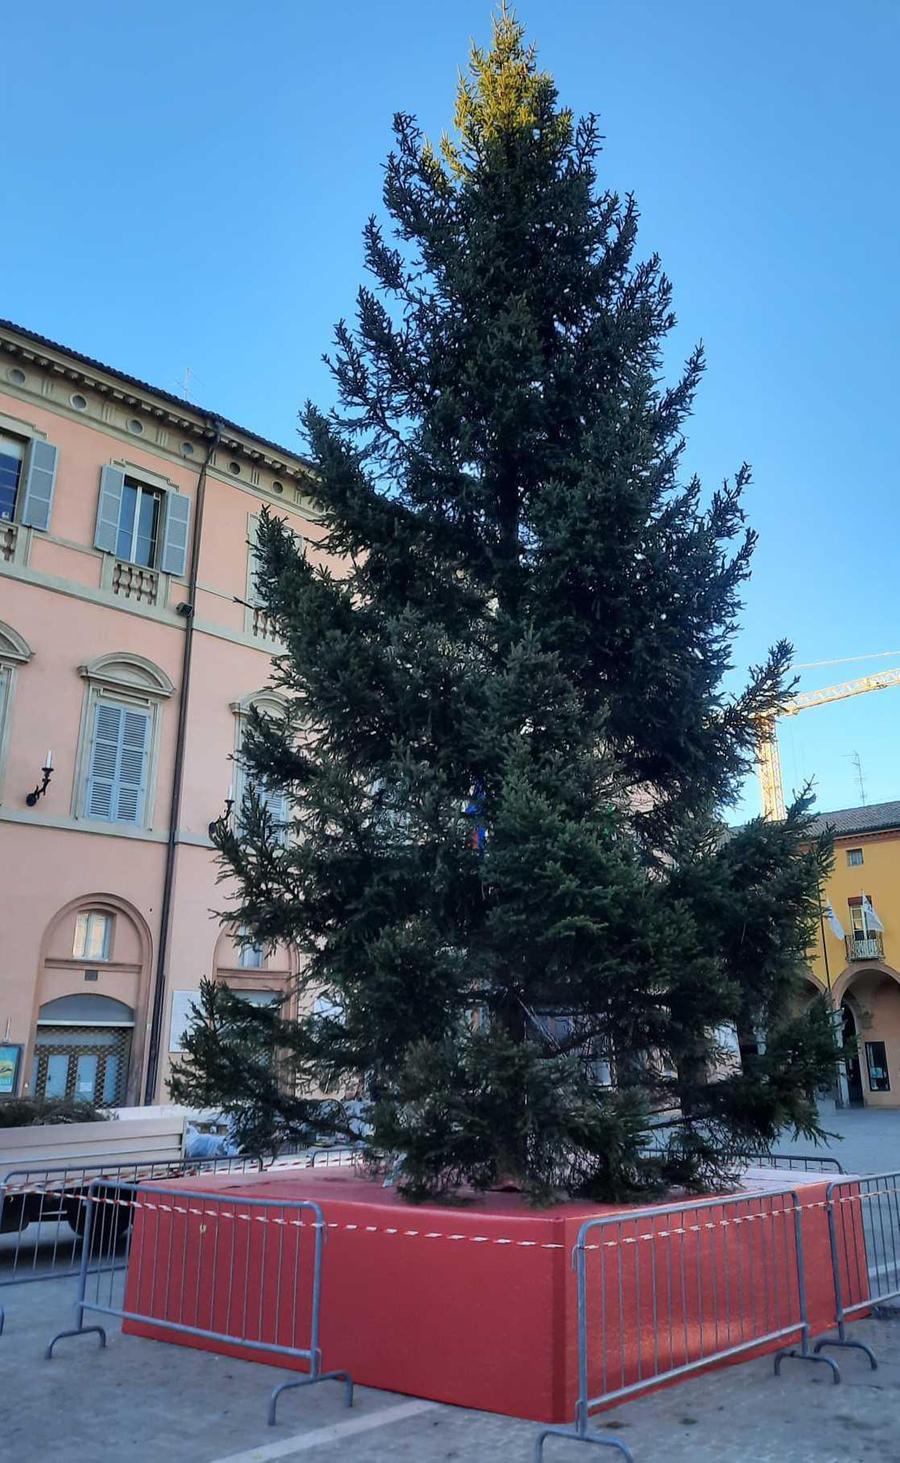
(112, 485)
(40, 481)
(132, 766)
(100, 800)
(116, 781)
(175, 534)
(277, 804)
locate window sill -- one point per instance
(70, 824)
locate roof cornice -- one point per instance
(18, 343)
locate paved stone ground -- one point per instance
(866, 1140)
(166, 1404)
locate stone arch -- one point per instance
(869, 993)
(226, 952)
(101, 900)
(125, 977)
(851, 975)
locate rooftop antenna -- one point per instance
(185, 384)
(855, 759)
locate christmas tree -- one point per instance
(507, 744)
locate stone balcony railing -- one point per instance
(133, 581)
(263, 625)
(865, 947)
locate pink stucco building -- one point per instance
(130, 647)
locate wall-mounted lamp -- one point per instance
(47, 773)
(225, 817)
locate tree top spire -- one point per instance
(503, 97)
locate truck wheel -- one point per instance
(112, 1220)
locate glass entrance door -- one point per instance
(82, 1063)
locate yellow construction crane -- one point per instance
(767, 754)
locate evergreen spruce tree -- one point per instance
(507, 746)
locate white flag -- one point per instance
(870, 918)
(837, 929)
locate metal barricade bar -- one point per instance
(172, 1274)
(798, 1162)
(39, 1195)
(794, 1162)
(667, 1291)
(863, 1226)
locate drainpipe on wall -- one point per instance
(168, 892)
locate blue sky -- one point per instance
(185, 191)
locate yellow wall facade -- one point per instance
(866, 978)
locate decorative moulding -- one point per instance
(124, 671)
(13, 647)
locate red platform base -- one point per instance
(474, 1305)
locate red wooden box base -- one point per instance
(474, 1305)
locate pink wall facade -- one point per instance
(78, 623)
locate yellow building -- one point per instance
(862, 968)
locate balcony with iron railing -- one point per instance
(861, 946)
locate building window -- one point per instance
(27, 480)
(250, 956)
(258, 998)
(117, 764)
(14, 653)
(139, 516)
(12, 460)
(274, 800)
(119, 738)
(876, 1067)
(257, 620)
(93, 935)
(854, 857)
(141, 523)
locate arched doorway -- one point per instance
(854, 1072)
(81, 1050)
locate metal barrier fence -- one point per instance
(334, 1157)
(266, 1297)
(793, 1162)
(864, 1233)
(798, 1162)
(667, 1291)
(42, 1208)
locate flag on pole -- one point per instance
(870, 918)
(837, 929)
